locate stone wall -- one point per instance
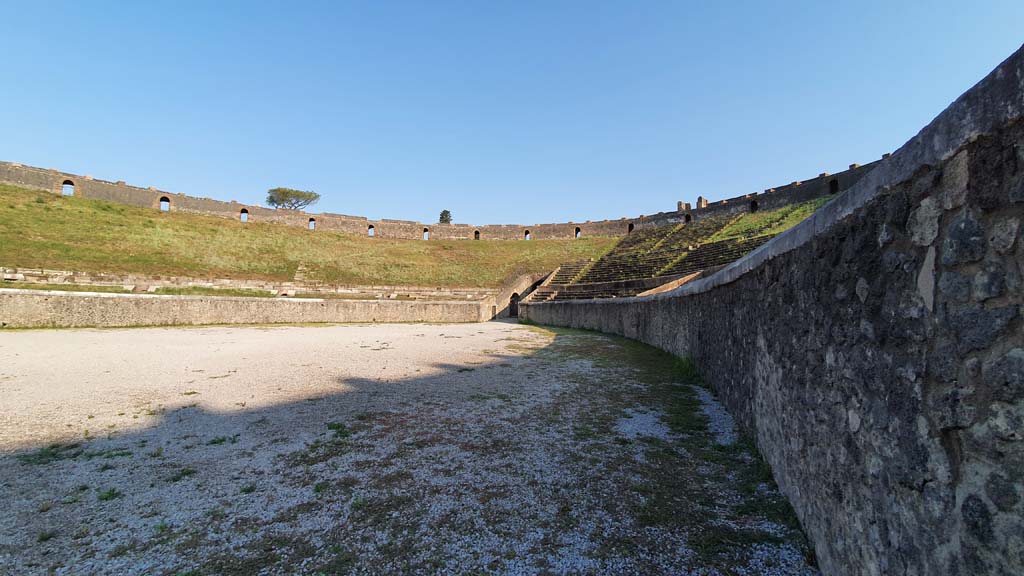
(50, 309)
(146, 283)
(824, 184)
(876, 351)
(120, 192)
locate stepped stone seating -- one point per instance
(664, 253)
(543, 294)
(589, 291)
(652, 249)
(564, 276)
(715, 254)
(568, 272)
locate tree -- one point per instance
(446, 217)
(291, 199)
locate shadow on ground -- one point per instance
(564, 452)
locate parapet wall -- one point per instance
(146, 283)
(824, 184)
(876, 350)
(89, 187)
(47, 309)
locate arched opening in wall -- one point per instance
(426, 233)
(312, 223)
(243, 215)
(513, 305)
(165, 204)
(526, 235)
(833, 186)
(753, 205)
(577, 233)
(476, 235)
(67, 188)
(631, 226)
(371, 231)
(688, 218)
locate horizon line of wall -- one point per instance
(58, 182)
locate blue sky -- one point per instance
(520, 112)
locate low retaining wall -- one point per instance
(151, 283)
(39, 309)
(876, 351)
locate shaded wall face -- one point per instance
(880, 367)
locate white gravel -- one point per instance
(413, 449)
(720, 422)
(639, 423)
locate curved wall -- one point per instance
(52, 309)
(876, 350)
(89, 187)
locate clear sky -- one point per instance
(515, 112)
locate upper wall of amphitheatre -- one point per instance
(88, 187)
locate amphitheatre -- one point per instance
(822, 377)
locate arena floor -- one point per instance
(468, 448)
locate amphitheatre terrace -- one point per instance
(825, 377)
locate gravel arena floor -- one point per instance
(489, 448)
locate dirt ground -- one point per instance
(385, 449)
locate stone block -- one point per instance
(924, 222)
(965, 240)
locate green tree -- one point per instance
(291, 199)
(446, 217)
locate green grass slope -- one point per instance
(42, 230)
(772, 222)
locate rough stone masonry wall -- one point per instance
(45, 309)
(771, 199)
(876, 351)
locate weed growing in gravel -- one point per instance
(719, 540)
(248, 489)
(108, 494)
(109, 453)
(216, 514)
(339, 429)
(341, 562)
(118, 551)
(46, 535)
(723, 511)
(161, 528)
(182, 474)
(222, 439)
(51, 453)
(76, 496)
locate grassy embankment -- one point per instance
(773, 222)
(41, 230)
